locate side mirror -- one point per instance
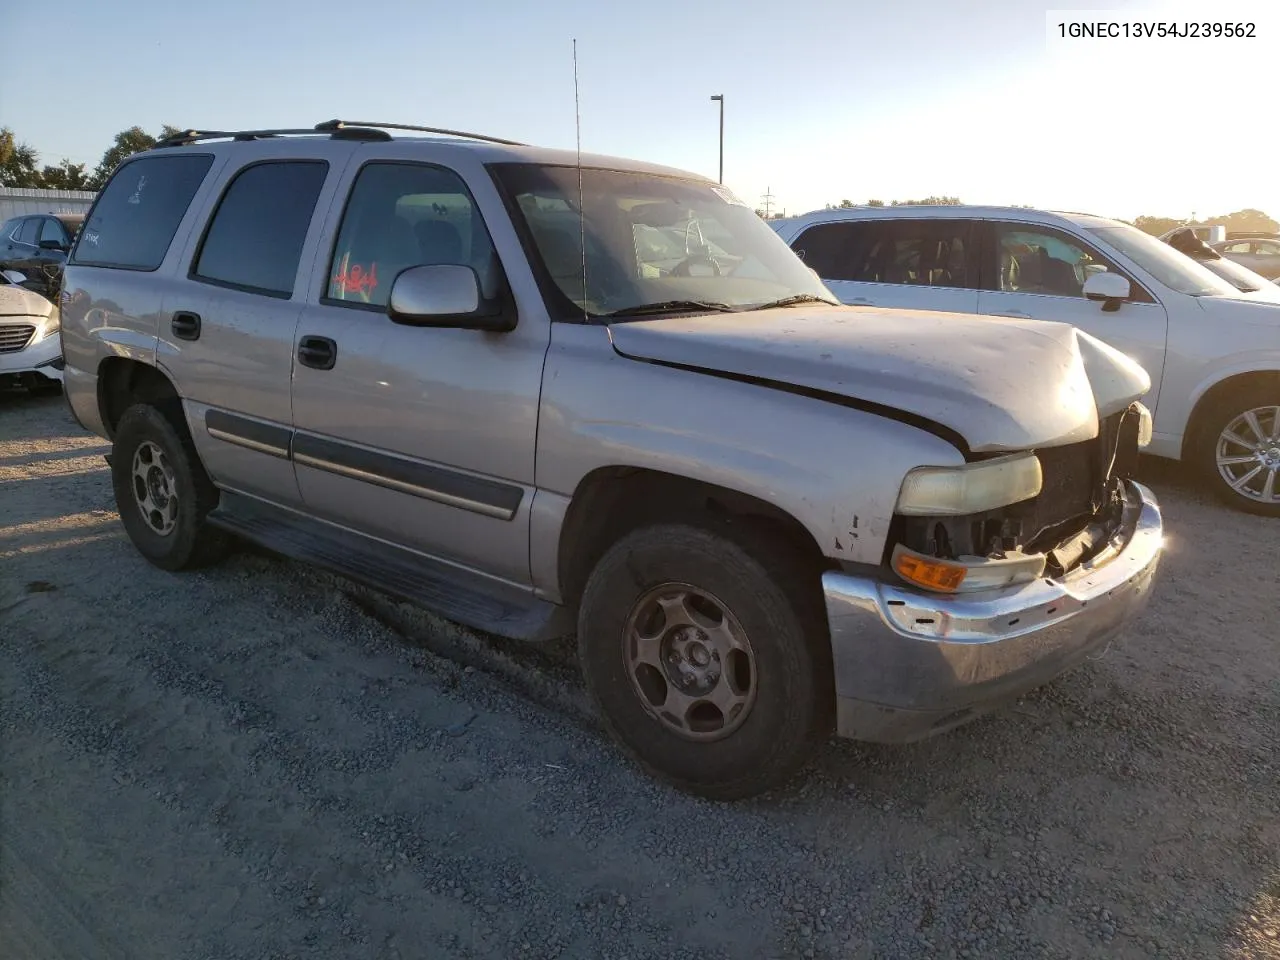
(53, 245)
(1110, 288)
(445, 295)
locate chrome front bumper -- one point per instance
(910, 664)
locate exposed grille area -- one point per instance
(1080, 489)
(13, 337)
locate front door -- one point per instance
(1038, 272)
(420, 436)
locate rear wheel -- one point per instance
(162, 492)
(1239, 450)
(706, 654)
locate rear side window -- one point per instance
(138, 212)
(255, 239)
(29, 231)
(824, 248)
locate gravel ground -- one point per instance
(262, 761)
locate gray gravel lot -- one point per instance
(262, 761)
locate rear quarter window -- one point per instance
(137, 214)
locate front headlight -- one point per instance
(52, 324)
(972, 488)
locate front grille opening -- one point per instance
(15, 337)
(1071, 520)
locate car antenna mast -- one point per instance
(582, 213)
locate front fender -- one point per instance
(837, 471)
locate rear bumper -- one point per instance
(910, 664)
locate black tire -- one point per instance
(1205, 449)
(191, 542)
(774, 594)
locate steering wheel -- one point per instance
(681, 269)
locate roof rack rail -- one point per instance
(348, 132)
(337, 125)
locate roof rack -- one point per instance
(339, 125)
(346, 132)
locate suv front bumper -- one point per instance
(909, 664)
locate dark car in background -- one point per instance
(1259, 254)
(36, 245)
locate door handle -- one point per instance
(319, 353)
(859, 302)
(1016, 315)
(185, 325)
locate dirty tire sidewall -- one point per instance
(191, 543)
(787, 639)
(1206, 444)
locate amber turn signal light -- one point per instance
(929, 573)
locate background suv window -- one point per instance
(404, 215)
(52, 230)
(255, 239)
(29, 231)
(1044, 262)
(138, 212)
(930, 253)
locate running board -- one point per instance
(452, 593)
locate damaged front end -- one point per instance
(1038, 514)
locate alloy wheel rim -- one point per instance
(1248, 455)
(690, 662)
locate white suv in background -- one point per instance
(30, 344)
(1212, 351)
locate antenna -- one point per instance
(582, 210)
(767, 199)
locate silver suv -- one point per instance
(545, 397)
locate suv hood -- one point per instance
(1002, 384)
(20, 302)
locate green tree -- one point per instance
(929, 201)
(66, 176)
(875, 203)
(17, 162)
(126, 143)
(1157, 226)
(1247, 221)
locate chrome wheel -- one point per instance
(1248, 454)
(690, 662)
(155, 488)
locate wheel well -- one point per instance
(1215, 395)
(612, 501)
(122, 383)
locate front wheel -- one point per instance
(706, 655)
(1239, 451)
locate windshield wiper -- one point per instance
(797, 299)
(668, 306)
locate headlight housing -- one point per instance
(971, 488)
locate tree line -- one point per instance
(20, 164)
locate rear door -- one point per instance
(1037, 272)
(228, 336)
(913, 264)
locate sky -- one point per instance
(824, 99)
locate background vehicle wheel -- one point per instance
(162, 491)
(706, 653)
(1239, 450)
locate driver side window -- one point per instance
(402, 215)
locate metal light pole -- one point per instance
(720, 97)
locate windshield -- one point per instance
(1175, 270)
(652, 243)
